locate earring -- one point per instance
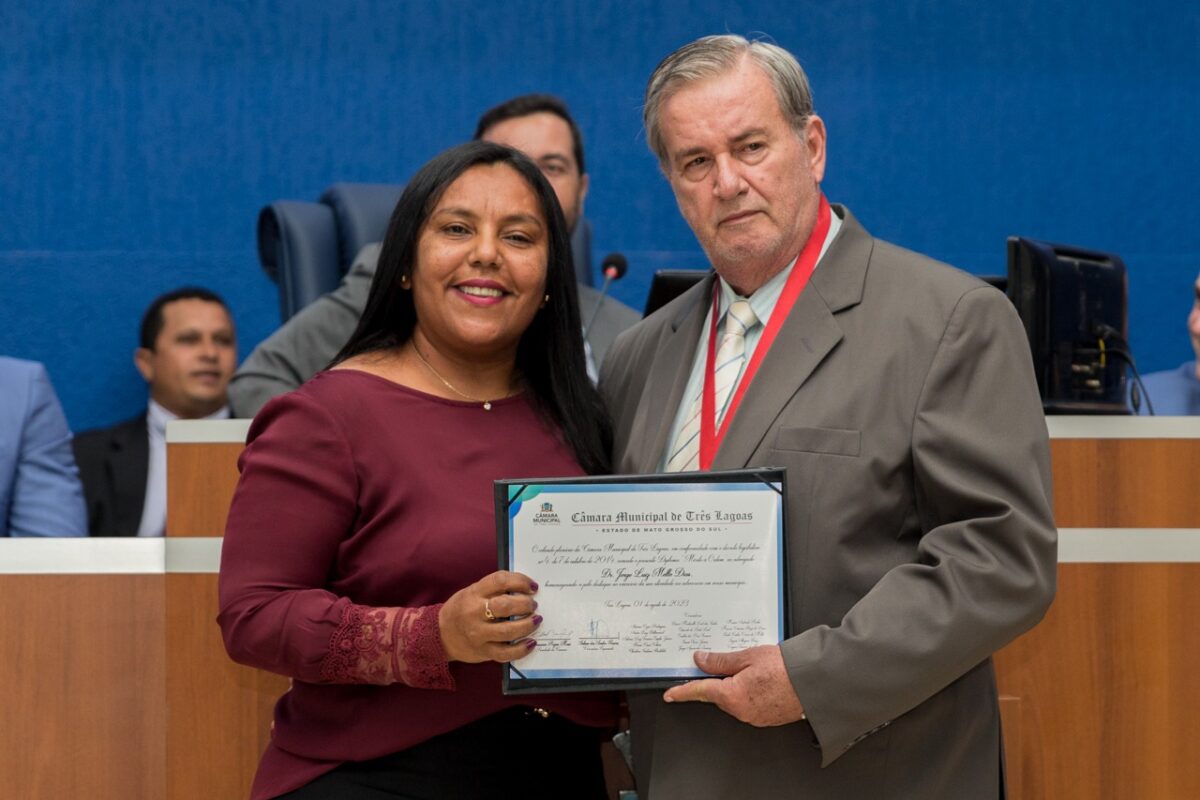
(405, 282)
(545, 300)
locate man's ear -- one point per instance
(143, 359)
(814, 140)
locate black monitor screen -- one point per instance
(669, 284)
(1073, 303)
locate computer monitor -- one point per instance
(1073, 303)
(669, 284)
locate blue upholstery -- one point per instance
(306, 248)
(362, 211)
(297, 246)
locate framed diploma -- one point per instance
(635, 573)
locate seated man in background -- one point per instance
(536, 124)
(187, 355)
(1176, 392)
(40, 493)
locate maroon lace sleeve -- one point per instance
(388, 645)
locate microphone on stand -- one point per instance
(614, 266)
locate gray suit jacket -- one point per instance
(900, 398)
(307, 342)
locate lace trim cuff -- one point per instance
(422, 661)
(388, 645)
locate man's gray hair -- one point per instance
(716, 55)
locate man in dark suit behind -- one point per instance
(187, 355)
(899, 395)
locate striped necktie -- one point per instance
(731, 357)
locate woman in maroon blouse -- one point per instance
(360, 550)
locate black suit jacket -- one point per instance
(113, 463)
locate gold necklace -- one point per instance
(487, 404)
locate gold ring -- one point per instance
(487, 610)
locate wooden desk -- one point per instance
(237, 702)
(84, 669)
(1102, 698)
(120, 687)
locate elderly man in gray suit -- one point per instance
(538, 125)
(899, 395)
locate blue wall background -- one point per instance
(139, 140)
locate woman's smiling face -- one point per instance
(480, 272)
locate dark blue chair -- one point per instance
(306, 248)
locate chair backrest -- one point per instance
(306, 248)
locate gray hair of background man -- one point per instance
(715, 55)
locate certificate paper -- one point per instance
(635, 573)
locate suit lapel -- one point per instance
(129, 465)
(803, 342)
(668, 377)
(807, 337)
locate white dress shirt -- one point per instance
(154, 509)
(763, 302)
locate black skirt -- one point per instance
(516, 753)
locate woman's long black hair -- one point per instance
(550, 354)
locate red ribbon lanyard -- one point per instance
(710, 436)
